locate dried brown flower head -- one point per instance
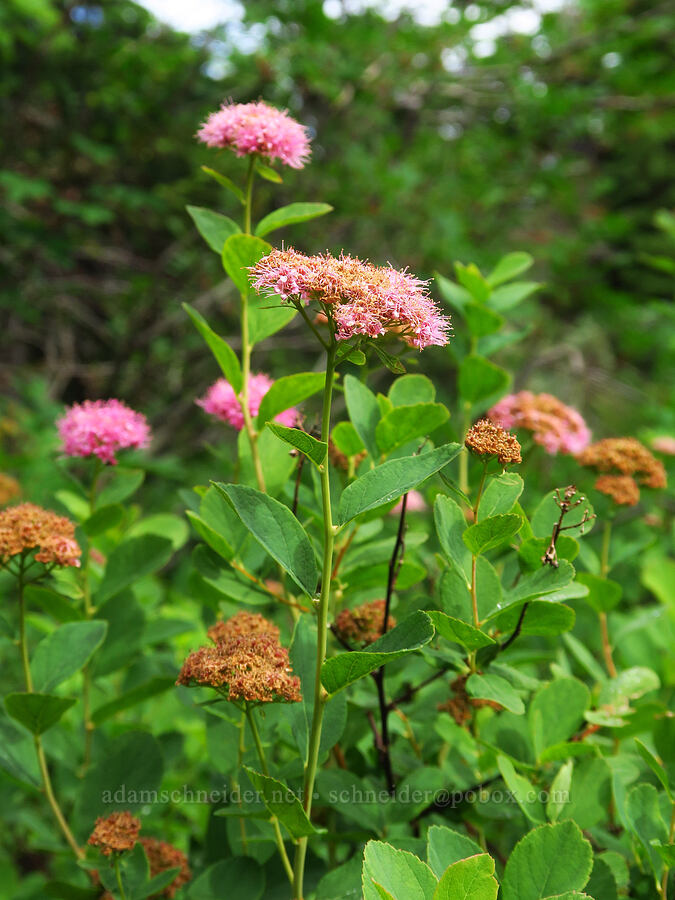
(340, 460)
(460, 706)
(363, 624)
(252, 667)
(28, 527)
(623, 489)
(242, 623)
(487, 439)
(625, 456)
(115, 833)
(9, 488)
(162, 856)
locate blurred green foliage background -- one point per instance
(433, 144)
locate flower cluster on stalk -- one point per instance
(28, 527)
(486, 439)
(222, 401)
(115, 833)
(558, 428)
(102, 427)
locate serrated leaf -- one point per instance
(291, 215)
(459, 632)
(445, 847)
(549, 860)
(400, 873)
(491, 532)
(223, 353)
(469, 879)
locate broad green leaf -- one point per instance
(17, 753)
(481, 380)
(287, 392)
(471, 278)
(138, 694)
(224, 354)
(276, 460)
(500, 495)
(559, 793)
(342, 882)
(37, 712)
(655, 766)
(602, 883)
(631, 684)
(556, 711)
(282, 803)
(645, 820)
(445, 847)
(590, 794)
(548, 512)
(54, 604)
(213, 227)
(364, 412)
(665, 851)
(549, 860)
(276, 529)
(509, 295)
(346, 439)
(243, 876)
(412, 633)
(404, 423)
(481, 320)
(121, 486)
(239, 253)
(658, 576)
(266, 316)
(454, 295)
(410, 389)
(469, 879)
(305, 443)
(495, 688)
(531, 551)
(450, 526)
(290, 215)
(603, 594)
(510, 266)
(166, 525)
(131, 560)
(522, 791)
(390, 480)
(105, 518)
(400, 873)
(455, 630)
(225, 182)
(546, 580)
(491, 532)
(542, 617)
(64, 652)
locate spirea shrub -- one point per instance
(411, 640)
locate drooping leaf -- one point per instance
(453, 629)
(305, 443)
(213, 227)
(290, 215)
(282, 803)
(64, 652)
(224, 354)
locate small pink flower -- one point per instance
(100, 428)
(221, 401)
(257, 128)
(664, 444)
(414, 503)
(557, 427)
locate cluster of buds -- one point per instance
(625, 464)
(247, 663)
(364, 624)
(27, 527)
(486, 439)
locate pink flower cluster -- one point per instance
(257, 128)
(361, 298)
(221, 401)
(100, 428)
(557, 427)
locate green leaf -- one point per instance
(282, 803)
(510, 295)
(481, 320)
(166, 525)
(404, 423)
(631, 684)
(500, 495)
(390, 480)
(364, 412)
(471, 278)
(480, 380)
(522, 791)
(314, 450)
(224, 354)
(17, 753)
(655, 766)
(131, 560)
(459, 632)
(559, 794)
(239, 253)
(495, 688)
(276, 529)
(225, 182)
(346, 439)
(55, 605)
(450, 526)
(290, 215)
(105, 518)
(287, 392)
(123, 484)
(510, 266)
(213, 227)
(410, 389)
(37, 712)
(64, 652)
(546, 580)
(643, 812)
(393, 363)
(590, 794)
(243, 876)
(469, 879)
(445, 847)
(549, 860)
(542, 617)
(548, 512)
(491, 532)
(603, 594)
(268, 173)
(138, 694)
(400, 873)
(412, 633)
(556, 711)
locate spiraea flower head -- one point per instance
(622, 489)
(222, 402)
(665, 444)
(9, 488)
(248, 128)
(557, 427)
(364, 624)
(27, 527)
(487, 439)
(101, 428)
(242, 623)
(162, 857)
(625, 456)
(361, 299)
(115, 833)
(252, 667)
